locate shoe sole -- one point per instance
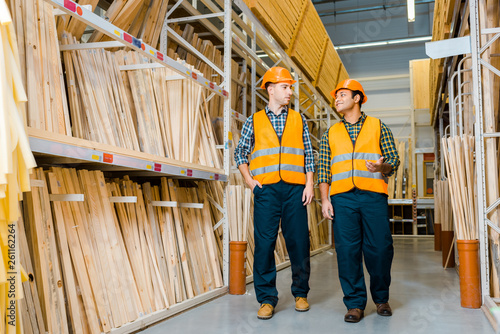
(352, 320)
(263, 317)
(302, 309)
(385, 315)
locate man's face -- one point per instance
(344, 100)
(281, 92)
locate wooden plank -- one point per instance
(60, 212)
(46, 258)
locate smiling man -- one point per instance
(281, 178)
(356, 157)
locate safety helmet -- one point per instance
(350, 84)
(277, 74)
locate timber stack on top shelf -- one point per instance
(111, 106)
(297, 27)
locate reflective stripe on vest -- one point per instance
(272, 160)
(348, 167)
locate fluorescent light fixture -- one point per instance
(381, 43)
(411, 10)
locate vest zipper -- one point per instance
(279, 139)
(353, 150)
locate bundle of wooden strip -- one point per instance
(99, 111)
(16, 162)
(459, 158)
(281, 18)
(43, 250)
(329, 72)
(239, 201)
(121, 250)
(400, 174)
(143, 19)
(309, 47)
(442, 202)
(198, 229)
(29, 306)
(41, 66)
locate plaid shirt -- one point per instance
(247, 139)
(387, 146)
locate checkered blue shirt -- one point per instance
(247, 139)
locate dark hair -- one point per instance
(361, 96)
(268, 84)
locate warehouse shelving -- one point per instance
(454, 90)
(55, 149)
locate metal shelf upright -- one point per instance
(488, 210)
(55, 148)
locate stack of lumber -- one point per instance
(99, 111)
(443, 213)
(40, 64)
(239, 201)
(143, 19)
(138, 109)
(40, 233)
(329, 72)
(125, 251)
(459, 158)
(443, 14)
(398, 187)
(308, 49)
(318, 227)
(281, 18)
(435, 77)
(16, 162)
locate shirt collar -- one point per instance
(361, 119)
(284, 110)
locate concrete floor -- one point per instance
(424, 298)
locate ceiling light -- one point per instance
(411, 10)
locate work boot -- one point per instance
(301, 304)
(384, 310)
(354, 315)
(266, 311)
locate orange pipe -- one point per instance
(468, 270)
(237, 267)
(437, 237)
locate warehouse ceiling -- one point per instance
(376, 42)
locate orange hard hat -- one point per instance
(277, 74)
(350, 84)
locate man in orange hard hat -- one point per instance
(281, 177)
(357, 155)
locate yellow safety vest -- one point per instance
(348, 161)
(274, 160)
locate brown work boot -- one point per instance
(301, 304)
(384, 310)
(266, 311)
(354, 315)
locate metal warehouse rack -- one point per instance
(241, 36)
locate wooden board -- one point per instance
(310, 44)
(420, 84)
(281, 18)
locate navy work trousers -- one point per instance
(274, 203)
(361, 227)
